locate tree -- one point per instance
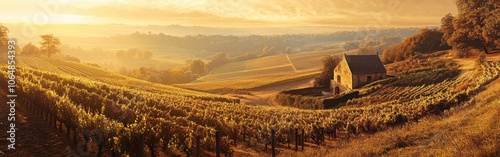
(197, 67)
(447, 27)
(49, 44)
(477, 25)
(30, 49)
(3, 43)
(426, 41)
(219, 60)
(329, 63)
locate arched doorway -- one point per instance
(337, 90)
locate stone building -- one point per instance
(354, 71)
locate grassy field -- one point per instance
(276, 64)
(249, 83)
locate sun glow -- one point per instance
(71, 19)
(231, 13)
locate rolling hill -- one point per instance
(290, 64)
(80, 70)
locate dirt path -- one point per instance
(469, 63)
(265, 96)
(291, 63)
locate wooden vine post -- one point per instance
(198, 146)
(273, 143)
(217, 144)
(303, 139)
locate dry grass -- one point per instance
(253, 64)
(472, 129)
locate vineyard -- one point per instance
(121, 120)
(101, 75)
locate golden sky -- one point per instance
(378, 13)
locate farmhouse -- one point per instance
(354, 71)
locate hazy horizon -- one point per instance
(180, 18)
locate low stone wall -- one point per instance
(308, 98)
(310, 91)
(339, 99)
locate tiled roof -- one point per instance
(365, 64)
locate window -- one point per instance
(338, 79)
(369, 79)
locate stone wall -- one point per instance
(342, 71)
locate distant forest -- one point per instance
(246, 44)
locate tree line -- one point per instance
(192, 70)
(230, 44)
